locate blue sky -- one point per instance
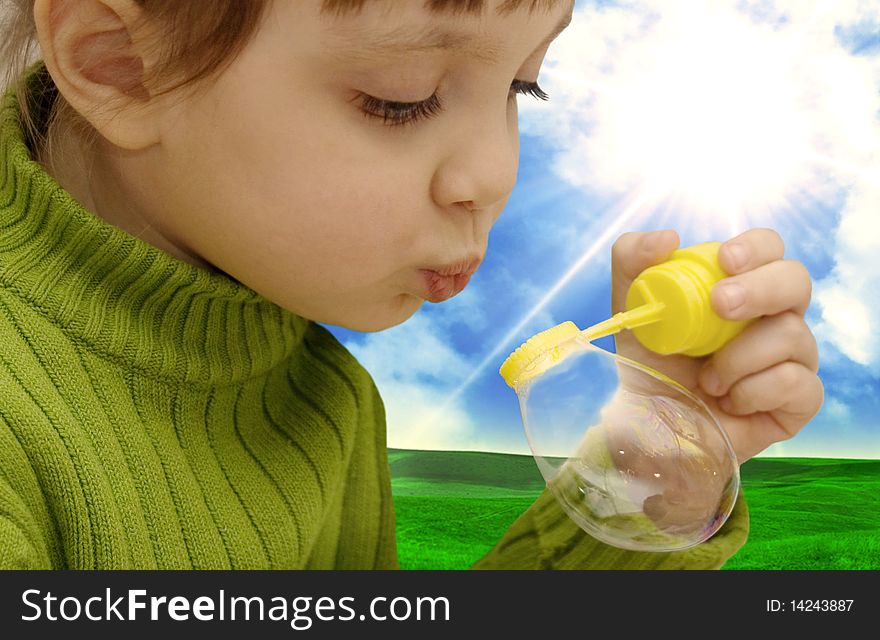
(728, 116)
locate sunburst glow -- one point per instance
(718, 117)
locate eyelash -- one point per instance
(402, 113)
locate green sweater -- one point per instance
(154, 414)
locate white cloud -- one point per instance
(414, 366)
(834, 408)
(848, 296)
(413, 350)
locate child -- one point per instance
(185, 193)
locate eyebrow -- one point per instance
(406, 40)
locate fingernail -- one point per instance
(711, 380)
(651, 240)
(734, 295)
(739, 255)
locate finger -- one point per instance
(759, 431)
(790, 392)
(767, 342)
(764, 291)
(634, 252)
(750, 250)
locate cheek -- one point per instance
(343, 194)
(300, 193)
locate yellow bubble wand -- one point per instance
(668, 310)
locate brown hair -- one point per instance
(195, 45)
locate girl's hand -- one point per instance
(762, 385)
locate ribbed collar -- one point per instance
(131, 301)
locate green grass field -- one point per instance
(805, 513)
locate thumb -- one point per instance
(631, 254)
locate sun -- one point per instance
(717, 119)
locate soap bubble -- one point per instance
(634, 458)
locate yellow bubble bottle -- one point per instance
(636, 459)
(669, 309)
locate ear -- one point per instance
(96, 60)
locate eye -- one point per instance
(402, 113)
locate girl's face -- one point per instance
(277, 176)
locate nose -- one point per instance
(479, 165)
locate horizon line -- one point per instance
(529, 455)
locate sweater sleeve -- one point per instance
(544, 537)
(18, 549)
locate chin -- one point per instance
(399, 310)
